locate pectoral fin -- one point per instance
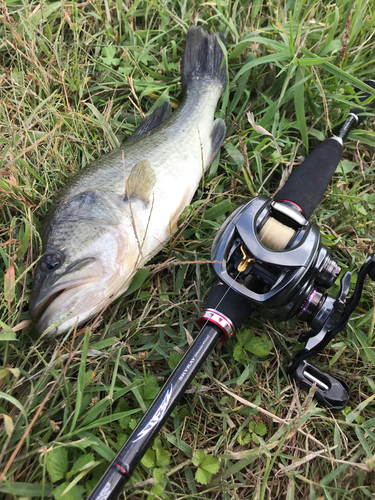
(141, 182)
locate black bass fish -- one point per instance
(117, 212)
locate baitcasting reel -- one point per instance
(287, 282)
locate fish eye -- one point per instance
(50, 262)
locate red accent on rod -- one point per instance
(203, 321)
(122, 468)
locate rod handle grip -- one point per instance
(307, 185)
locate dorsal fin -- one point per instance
(158, 116)
(140, 182)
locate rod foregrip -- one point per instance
(226, 301)
(307, 185)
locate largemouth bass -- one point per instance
(116, 213)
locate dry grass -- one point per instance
(53, 63)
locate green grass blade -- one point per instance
(104, 421)
(104, 125)
(299, 104)
(27, 490)
(81, 380)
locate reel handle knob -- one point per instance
(331, 392)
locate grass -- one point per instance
(75, 80)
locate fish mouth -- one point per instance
(57, 305)
(57, 296)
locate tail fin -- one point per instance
(203, 58)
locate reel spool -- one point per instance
(275, 235)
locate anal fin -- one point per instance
(140, 182)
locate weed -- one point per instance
(75, 81)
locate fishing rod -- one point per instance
(268, 257)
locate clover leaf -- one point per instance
(207, 465)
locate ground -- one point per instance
(75, 80)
